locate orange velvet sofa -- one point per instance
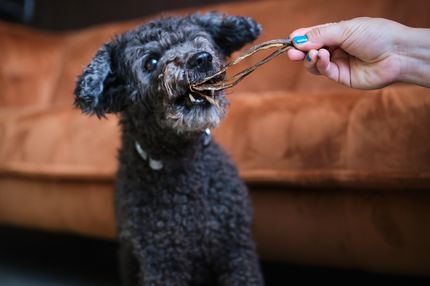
(338, 177)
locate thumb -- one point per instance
(332, 34)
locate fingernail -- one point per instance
(300, 39)
(308, 58)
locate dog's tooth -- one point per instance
(213, 93)
(191, 97)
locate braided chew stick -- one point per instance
(282, 45)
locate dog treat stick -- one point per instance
(209, 99)
(282, 45)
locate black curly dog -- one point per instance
(183, 213)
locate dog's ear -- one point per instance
(230, 33)
(97, 89)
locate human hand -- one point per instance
(365, 53)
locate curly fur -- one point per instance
(190, 222)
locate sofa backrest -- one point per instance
(39, 68)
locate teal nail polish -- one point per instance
(300, 39)
(308, 58)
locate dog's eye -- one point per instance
(151, 64)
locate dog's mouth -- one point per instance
(200, 99)
(194, 110)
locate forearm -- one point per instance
(414, 57)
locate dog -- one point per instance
(183, 214)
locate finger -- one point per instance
(303, 31)
(332, 34)
(299, 32)
(341, 59)
(295, 55)
(325, 67)
(310, 62)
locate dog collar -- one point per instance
(157, 165)
(206, 137)
(153, 164)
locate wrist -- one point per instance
(413, 50)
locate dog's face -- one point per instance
(147, 71)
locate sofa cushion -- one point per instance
(362, 139)
(58, 143)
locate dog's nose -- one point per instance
(201, 61)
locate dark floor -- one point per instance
(39, 258)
